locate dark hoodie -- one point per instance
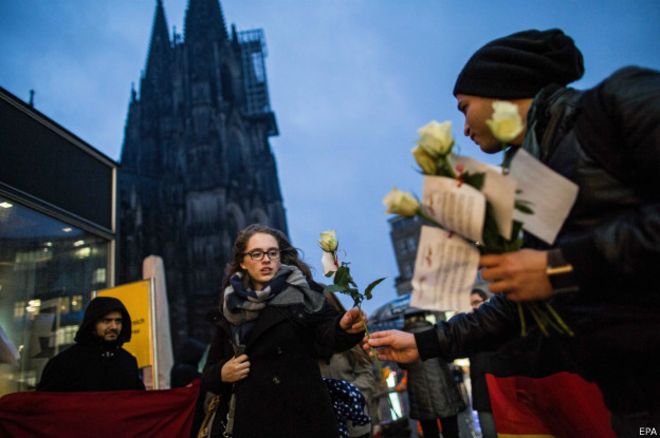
(93, 364)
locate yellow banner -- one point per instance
(136, 298)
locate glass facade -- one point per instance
(48, 269)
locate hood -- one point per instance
(97, 309)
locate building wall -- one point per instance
(404, 233)
(57, 225)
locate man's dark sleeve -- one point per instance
(138, 383)
(620, 129)
(329, 337)
(491, 325)
(53, 377)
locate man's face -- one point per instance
(476, 111)
(108, 328)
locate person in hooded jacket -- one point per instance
(97, 361)
(273, 327)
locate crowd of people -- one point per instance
(278, 336)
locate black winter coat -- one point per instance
(432, 391)
(283, 396)
(607, 141)
(91, 368)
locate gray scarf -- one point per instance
(288, 287)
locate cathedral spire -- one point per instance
(204, 21)
(197, 165)
(159, 46)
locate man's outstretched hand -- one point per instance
(393, 345)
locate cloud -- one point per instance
(350, 82)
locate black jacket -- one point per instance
(92, 364)
(283, 396)
(432, 390)
(607, 141)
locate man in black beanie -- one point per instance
(601, 273)
(514, 68)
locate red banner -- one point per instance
(561, 405)
(163, 414)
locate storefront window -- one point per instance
(48, 270)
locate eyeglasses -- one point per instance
(258, 254)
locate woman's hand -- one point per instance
(235, 369)
(353, 321)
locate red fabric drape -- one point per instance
(163, 414)
(560, 405)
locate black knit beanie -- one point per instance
(519, 65)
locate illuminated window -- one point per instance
(76, 303)
(19, 309)
(48, 269)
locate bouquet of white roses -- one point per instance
(506, 124)
(433, 154)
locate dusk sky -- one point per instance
(350, 82)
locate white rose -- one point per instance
(425, 161)
(328, 241)
(401, 203)
(505, 123)
(436, 138)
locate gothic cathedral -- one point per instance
(196, 163)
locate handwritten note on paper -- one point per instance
(445, 270)
(458, 207)
(500, 191)
(551, 196)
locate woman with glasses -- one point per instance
(274, 325)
